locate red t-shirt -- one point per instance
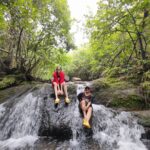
(58, 77)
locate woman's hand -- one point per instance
(88, 105)
(61, 92)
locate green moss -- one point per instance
(145, 121)
(130, 102)
(116, 83)
(119, 84)
(9, 92)
(7, 81)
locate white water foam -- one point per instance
(22, 122)
(2, 110)
(118, 131)
(16, 143)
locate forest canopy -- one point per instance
(119, 41)
(34, 36)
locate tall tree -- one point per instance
(119, 31)
(37, 33)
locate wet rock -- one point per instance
(72, 88)
(76, 79)
(144, 120)
(56, 120)
(113, 92)
(14, 91)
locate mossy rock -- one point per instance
(99, 84)
(118, 93)
(106, 89)
(145, 121)
(7, 82)
(143, 117)
(118, 84)
(15, 90)
(103, 96)
(131, 102)
(71, 89)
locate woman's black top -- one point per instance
(82, 96)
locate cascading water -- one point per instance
(113, 130)
(19, 121)
(24, 120)
(119, 131)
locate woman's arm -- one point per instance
(55, 79)
(62, 77)
(88, 105)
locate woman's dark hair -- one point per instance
(58, 68)
(87, 88)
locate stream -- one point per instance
(31, 122)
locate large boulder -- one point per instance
(76, 79)
(118, 93)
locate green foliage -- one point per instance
(146, 85)
(118, 45)
(146, 76)
(82, 64)
(79, 64)
(37, 35)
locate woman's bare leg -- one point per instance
(83, 105)
(89, 114)
(64, 86)
(56, 90)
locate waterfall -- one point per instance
(113, 130)
(31, 121)
(117, 130)
(20, 121)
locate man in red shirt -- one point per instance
(59, 85)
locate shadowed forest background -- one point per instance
(35, 37)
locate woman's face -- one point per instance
(58, 69)
(87, 91)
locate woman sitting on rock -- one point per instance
(60, 87)
(85, 102)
